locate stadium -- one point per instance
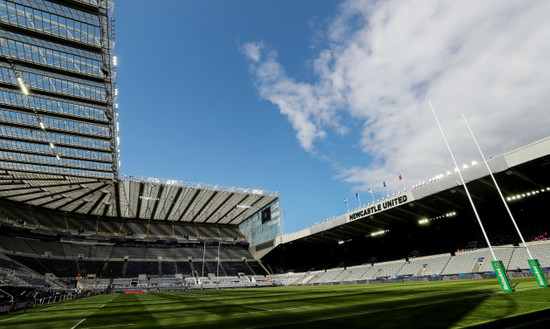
(85, 246)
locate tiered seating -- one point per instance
(194, 252)
(102, 251)
(168, 268)
(256, 267)
(49, 220)
(389, 269)
(137, 228)
(229, 232)
(113, 269)
(503, 253)
(91, 267)
(234, 268)
(185, 230)
(436, 264)
(132, 252)
(519, 259)
(17, 244)
(16, 214)
(59, 267)
(109, 226)
(183, 268)
(165, 282)
(208, 232)
(286, 279)
(358, 273)
(135, 268)
(152, 253)
(433, 265)
(211, 267)
(211, 252)
(161, 230)
(329, 276)
(88, 225)
(121, 283)
(541, 251)
(73, 250)
(464, 262)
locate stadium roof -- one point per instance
(135, 197)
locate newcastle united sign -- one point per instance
(380, 206)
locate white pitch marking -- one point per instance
(111, 326)
(277, 310)
(259, 308)
(76, 325)
(13, 317)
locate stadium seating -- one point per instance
(356, 273)
(329, 276)
(503, 253)
(425, 266)
(389, 269)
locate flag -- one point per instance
(384, 182)
(346, 201)
(370, 191)
(400, 178)
(357, 195)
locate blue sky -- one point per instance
(322, 99)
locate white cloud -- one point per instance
(308, 108)
(488, 59)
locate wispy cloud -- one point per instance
(309, 108)
(487, 59)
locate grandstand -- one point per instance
(430, 219)
(65, 210)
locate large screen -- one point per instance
(266, 215)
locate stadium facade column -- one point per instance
(538, 273)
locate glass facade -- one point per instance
(57, 89)
(259, 230)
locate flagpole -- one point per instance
(463, 183)
(498, 188)
(347, 204)
(359, 197)
(402, 182)
(387, 192)
(372, 195)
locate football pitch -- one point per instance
(439, 304)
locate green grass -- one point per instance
(441, 304)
